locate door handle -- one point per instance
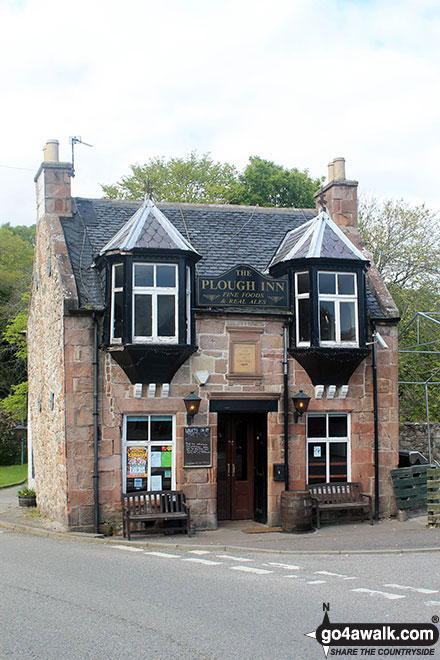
(229, 469)
(233, 470)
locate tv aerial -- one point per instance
(76, 139)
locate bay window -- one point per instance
(302, 308)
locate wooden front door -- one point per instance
(235, 466)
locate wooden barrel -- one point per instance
(296, 511)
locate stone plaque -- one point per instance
(244, 360)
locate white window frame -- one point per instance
(298, 297)
(147, 443)
(328, 441)
(337, 299)
(154, 291)
(119, 289)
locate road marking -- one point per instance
(291, 576)
(207, 562)
(373, 592)
(199, 552)
(288, 567)
(317, 582)
(233, 558)
(419, 590)
(430, 603)
(250, 569)
(125, 547)
(167, 555)
(344, 577)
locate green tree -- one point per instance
(195, 179)
(198, 179)
(405, 242)
(264, 183)
(16, 259)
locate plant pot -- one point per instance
(27, 500)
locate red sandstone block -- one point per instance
(194, 476)
(80, 497)
(211, 327)
(207, 491)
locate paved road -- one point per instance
(81, 601)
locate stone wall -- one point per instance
(51, 287)
(414, 436)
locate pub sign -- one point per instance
(243, 286)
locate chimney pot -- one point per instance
(331, 172)
(50, 151)
(339, 169)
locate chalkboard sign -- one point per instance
(197, 447)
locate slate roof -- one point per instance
(223, 235)
(317, 239)
(148, 228)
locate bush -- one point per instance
(10, 447)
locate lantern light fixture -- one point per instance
(192, 405)
(301, 402)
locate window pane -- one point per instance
(119, 276)
(348, 321)
(338, 461)
(142, 316)
(166, 316)
(317, 462)
(137, 430)
(346, 284)
(337, 426)
(143, 275)
(304, 319)
(161, 467)
(165, 276)
(316, 426)
(327, 283)
(161, 430)
(327, 320)
(302, 283)
(118, 298)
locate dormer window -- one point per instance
(338, 316)
(148, 271)
(155, 298)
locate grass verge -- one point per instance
(12, 474)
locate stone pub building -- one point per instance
(136, 305)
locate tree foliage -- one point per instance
(16, 258)
(405, 242)
(198, 179)
(264, 183)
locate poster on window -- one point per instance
(137, 462)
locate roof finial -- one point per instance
(149, 191)
(322, 202)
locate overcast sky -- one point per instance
(295, 81)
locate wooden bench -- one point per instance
(336, 496)
(155, 505)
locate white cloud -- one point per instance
(296, 81)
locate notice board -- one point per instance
(197, 447)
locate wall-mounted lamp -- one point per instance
(301, 402)
(192, 404)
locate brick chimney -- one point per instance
(53, 183)
(340, 195)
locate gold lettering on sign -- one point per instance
(244, 359)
